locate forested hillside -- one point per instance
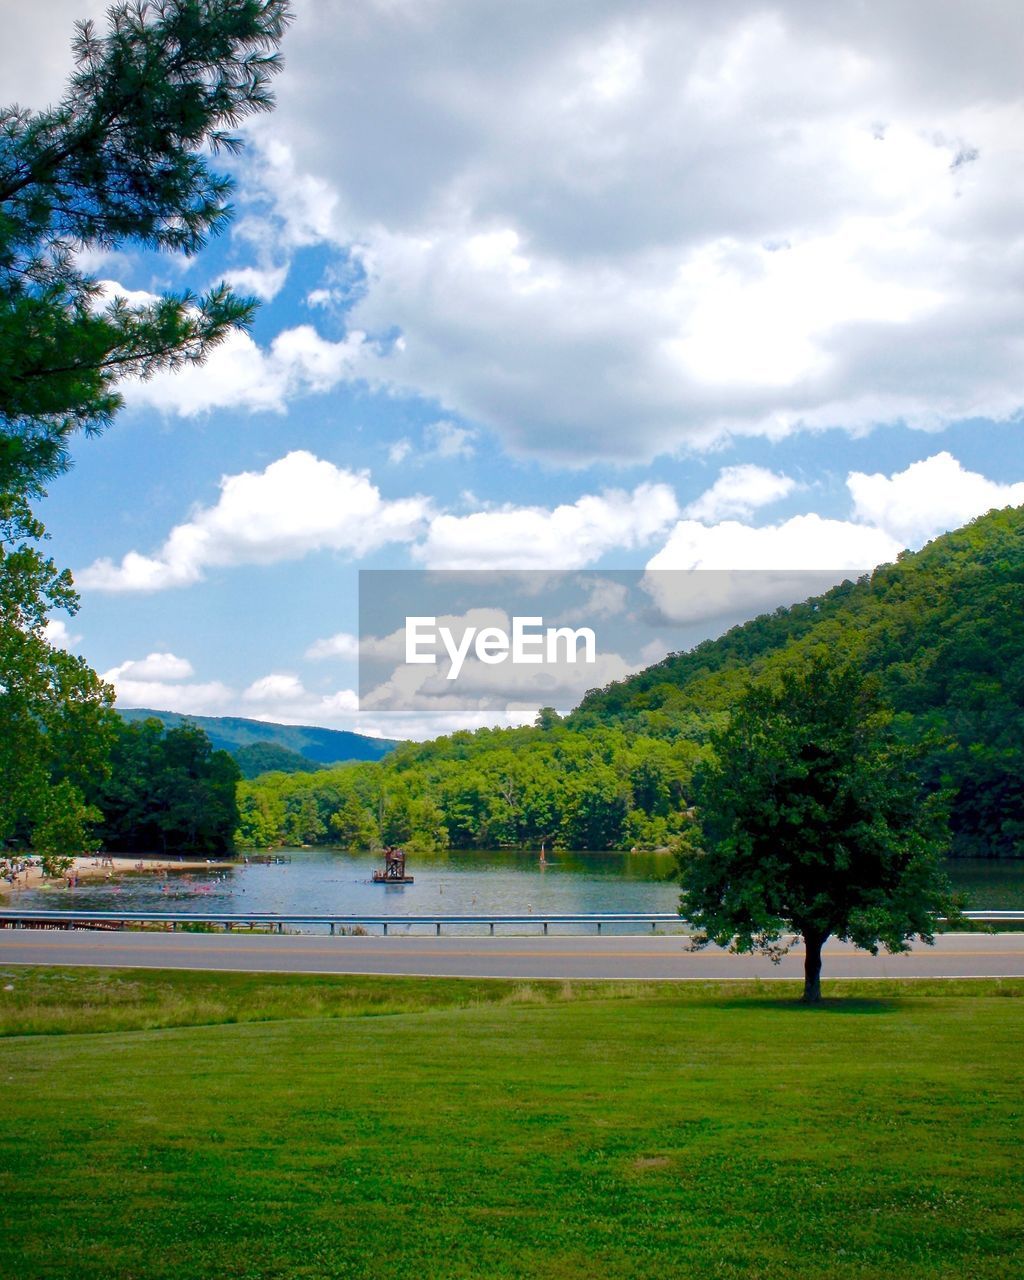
(940, 629)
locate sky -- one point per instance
(587, 286)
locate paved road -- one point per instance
(625, 957)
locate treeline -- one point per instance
(494, 788)
(166, 791)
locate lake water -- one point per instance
(500, 882)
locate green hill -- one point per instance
(942, 631)
(314, 745)
(268, 757)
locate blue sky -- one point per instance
(601, 286)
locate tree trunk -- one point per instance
(813, 943)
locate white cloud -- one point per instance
(158, 681)
(281, 697)
(446, 440)
(264, 282)
(568, 537)
(740, 491)
(613, 231)
(928, 498)
(443, 440)
(802, 542)
(58, 634)
(697, 220)
(341, 645)
(298, 504)
(239, 374)
(210, 698)
(155, 666)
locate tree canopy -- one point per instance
(168, 791)
(812, 819)
(55, 718)
(122, 159)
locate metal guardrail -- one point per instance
(252, 919)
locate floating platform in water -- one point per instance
(394, 868)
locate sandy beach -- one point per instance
(101, 868)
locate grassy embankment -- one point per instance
(196, 1125)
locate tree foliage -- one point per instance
(511, 788)
(168, 791)
(55, 718)
(122, 159)
(813, 820)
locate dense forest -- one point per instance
(166, 791)
(940, 631)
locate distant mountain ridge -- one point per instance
(313, 744)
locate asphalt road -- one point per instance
(957, 955)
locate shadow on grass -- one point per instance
(828, 1004)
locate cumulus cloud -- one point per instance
(614, 230)
(264, 282)
(802, 542)
(59, 635)
(282, 697)
(569, 536)
(160, 681)
(740, 491)
(928, 498)
(694, 219)
(155, 666)
(298, 504)
(341, 645)
(241, 374)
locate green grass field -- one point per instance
(193, 1125)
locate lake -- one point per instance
(499, 882)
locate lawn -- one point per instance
(192, 1125)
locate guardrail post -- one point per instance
(599, 926)
(280, 927)
(545, 928)
(332, 928)
(492, 928)
(437, 928)
(385, 928)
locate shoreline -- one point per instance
(103, 867)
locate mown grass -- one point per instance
(266, 1126)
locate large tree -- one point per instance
(169, 791)
(55, 718)
(123, 159)
(812, 821)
